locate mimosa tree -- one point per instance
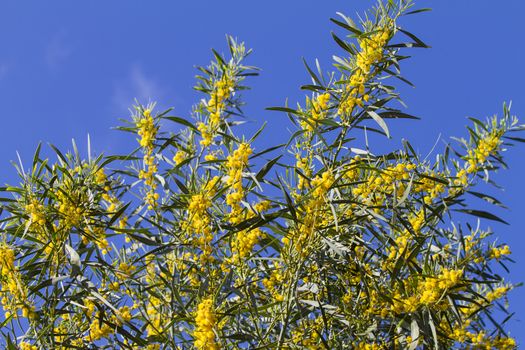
(200, 239)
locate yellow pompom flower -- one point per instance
(147, 130)
(205, 322)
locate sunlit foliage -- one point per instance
(200, 239)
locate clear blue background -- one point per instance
(69, 68)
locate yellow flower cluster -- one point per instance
(351, 173)
(428, 291)
(222, 90)
(37, 216)
(373, 303)
(179, 157)
(27, 346)
(198, 222)
(101, 178)
(205, 322)
(498, 252)
(355, 94)
(483, 302)
(148, 176)
(151, 269)
(125, 270)
(375, 190)
(147, 130)
(36, 212)
(211, 157)
(504, 343)
(486, 146)
(432, 288)
(157, 314)
(155, 321)
(14, 291)
(303, 166)
(370, 54)
(274, 282)
(460, 182)
(404, 239)
(372, 49)
(316, 112)
(307, 334)
(244, 241)
(98, 328)
(481, 340)
(71, 205)
(497, 293)
(235, 164)
(321, 185)
(367, 346)
(430, 186)
(312, 214)
(124, 314)
(113, 203)
(461, 178)
(97, 234)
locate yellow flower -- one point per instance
(371, 53)
(27, 346)
(14, 290)
(497, 253)
(215, 106)
(317, 111)
(179, 157)
(497, 293)
(147, 130)
(486, 146)
(205, 322)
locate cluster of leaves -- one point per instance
(191, 241)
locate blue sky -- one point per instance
(72, 68)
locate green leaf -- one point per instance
(346, 26)
(418, 42)
(482, 214)
(487, 198)
(59, 154)
(379, 121)
(396, 115)
(517, 139)
(315, 88)
(258, 154)
(118, 214)
(418, 11)
(181, 186)
(10, 344)
(283, 109)
(343, 44)
(312, 74)
(289, 202)
(257, 133)
(266, 168)
(395, 75)
(181, 121)
(433, 178)
(219, 58)
(36, 157)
